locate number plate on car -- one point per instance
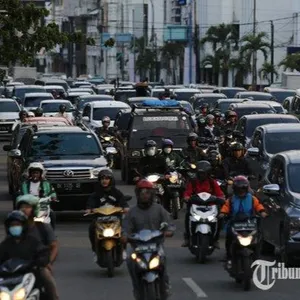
(68, 186)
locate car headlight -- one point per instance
(136, 153)
(4, 296)
(245, 241)
(95, 172)
(173, 178)
(108, 232)
(20, 294)
(154, 263)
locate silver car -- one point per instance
(9, 114)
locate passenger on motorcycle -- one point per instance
(62, 112)
(152, 162)
(243, 202)
(105, 193)
(203, 183)
(237, 163)
(193, 153)
(217, 171)
(146, 215)
(38, 112)
(29, 205)
(218, 118)
(23, 115)
(231, 120)
(210, 129)
(172, 159)
(19, 244)
(204, 109)
(105, 129)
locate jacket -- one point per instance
(172, 160)
(113, 196)
(248, 205)
(194, 155)
(211, 132)
(217, 172)
(151, 164)
(234, 167)
(46, 189)
(29, 249)
(101, 131)
(208, 186)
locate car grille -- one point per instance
(5, 127)
(68, 174)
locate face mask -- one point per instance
(167, 150)
(151, 151)
(15, 231)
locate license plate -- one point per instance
(5, 128)
(68, 186)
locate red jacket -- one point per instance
(207, 186)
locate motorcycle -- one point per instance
(46, 215)
(203, 224)
(18, 282)
(243, 249)
(109, 249)
(188, 170)
(155, 179)
(149, 263)
(107, 143)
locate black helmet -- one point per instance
(105, 173)
(217, 114)
(39, 112)
(23, 112)
(236, 147)
(213, 154)
(150, 143)
(62, 107)
(231, 114)
(16, 215)
(203, 166)
(192, 137)
(204, 105)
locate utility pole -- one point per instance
(190, 26)
(197, 46)
(254, 61)
(272, 50)
(134, 54)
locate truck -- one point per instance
(24, 74)
(291, 80)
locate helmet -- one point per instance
(231, 113)
(15, 215)
(144, 184)
(203, 166)
(150, 148)
(213, 155)
(62, 107)
(210, 117)
(150, 143)
(36, 166)
(106, 119)
(30, 200)
(204, 105)
(23, 112)
(240, 184)
(39, 112)
(192, 137)
(167, 143)
(236, 147)
(217, 114)
(105, 173)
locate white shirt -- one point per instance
(34, 188)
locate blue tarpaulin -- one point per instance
(161, 103)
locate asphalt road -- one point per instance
(79, 278)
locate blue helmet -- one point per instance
(167, 143)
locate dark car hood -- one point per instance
(90, 163)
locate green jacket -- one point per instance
(46, 189)
(171, 160)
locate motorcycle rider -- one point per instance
(172, 159)
(39, 112)
(105, 129)
(23, 115)
(218, 118)
(203, 183)
(29, 205)
(145, 215)
(231, 120)
(20, 244)
(217, 170)
(243, 202)
(152, 162)
(201, 123)
(62, 112)
(193, 153)
(204, 109)
(105, 193)
(210, 129)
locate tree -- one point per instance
(251, 45)
(241, 66)
(22, 34)
(266, 70)
(291, 61)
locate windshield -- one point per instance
(82, 102)
(250, 110)
(124, 95)
(20, 92)
(278, 108)
(211, 101)
(293, 173)
(64, 144)
(230, 93)
(282, 95)
(185, 96)
(157, 93)
(282, 141)
(174, 127)
(99, 113)
(54, 107)
(257, 96)
(223, 106)
(34, 101)
(9, 107)
(188, 107)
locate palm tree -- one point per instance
(252, 45)
(222, 38)
(241, 66)
(291, 61)
(266, 70)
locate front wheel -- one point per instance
(150, 291)
(247, 273)
(203, 245)
(110, 264)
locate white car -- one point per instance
(276, 105)
(94, 112)
(9, 114)
(33, 100)
(51, 108)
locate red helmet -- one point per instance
(144, 184)
(240, 184)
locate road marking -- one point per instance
(194, 287)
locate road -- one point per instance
(79, 278)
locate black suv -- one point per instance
(151, 123)
(281, 198)
(72, 157)
(269, 140)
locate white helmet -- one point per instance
(31, 114)
(105, 119)
(36, 166)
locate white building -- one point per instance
(283, 14)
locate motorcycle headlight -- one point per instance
(173, 178)
(210, 218)
(193, 166)
(19, 295)
(154, 263)
(4, 296)
(245, 241)
(39, 219)
(135, 153)
(107, 138)
(152, 178)
(196, 217)
(108, 232)
(95, 172)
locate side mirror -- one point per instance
(111, 150)
(271, 189)
(7, 148)
(127, 198)
(163, 226)
(253, 151)
(86, 119)
(15, 153)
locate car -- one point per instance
(229, 92)
(209, 98)
(82, 89)
(153, 122)
(138, 100)
(51, 108)
(123, 95)
(73, 96)
(84, 99)
(157, 92)
(14, 83)
(9, 114)
(255, 96)
(103, 89)
(294, 107)
(80, 84)
(224, 104)
(268, 140)
(94, 112)
(253, 107)
(248, 123)
(276, 105)
(19, 91)
(72, 157)
(52, 81)
(280, 195)
(280, 94)
(57, 88)
(287, 104)
(33, 100)
(186, 93)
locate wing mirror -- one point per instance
(271, 189)
(15, 153)
(253, 151)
